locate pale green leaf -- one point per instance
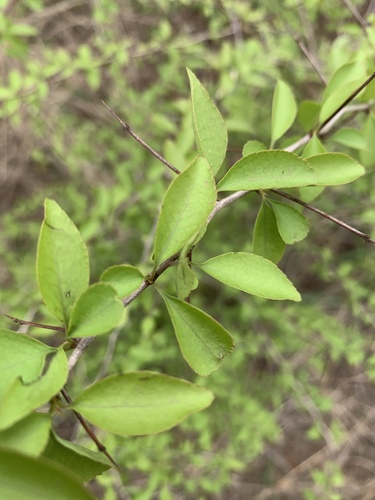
(26, 478)
(98, 310)
(187, 204)
(333, 169)
(350, 138)
(251, 274)
(344, 75)
(203, 341)
(267, 241)
(292, 225)
(313, 147)
(124, 278)
(85, 463)
(29, 435)
(21, 356)
(138, 403)
(335, 100)
(209, 127)
(308, 115)
(253, 147)
(22, 398)
(284, 111)
(267, 170)
(62, 262)
(185, 280)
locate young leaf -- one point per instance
(98, 310)
(334, 169)
(313, 147)
(26, 478)
(186, 281)
(187, 204)
(203, 341)
(337, 97)
(267, 241)
(29, 435)
(124, 278)
(21, 357)
(284, 111)
(343, 75)
(267, 170)
(253, 147)
(208, 125)
(138, 403)
(84, 462)
(22, 398)
(251, 274)
(308, 114)
(62, 262)
(292, 225)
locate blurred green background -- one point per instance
(294, 411)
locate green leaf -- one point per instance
(83, 462)
(139, 403)
(284, 111)
(350, 138)
(267, 170)
(26, 478)
(21, 356)
(62, 262)
(267, 241)
(29, 435)
(334, 169)
(253, 147)
(22, 398)
(251, 274)
(203, 341)
(337, 97)
(308, 194)
(313, 147)
(344, 75)
(308, 114)
(186, 281)
(98, 310)
(124, 278)
(209, 127)
(292, 225)
(187, 204)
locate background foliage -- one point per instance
(293, 411)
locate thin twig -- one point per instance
(89, 431)
(38, 325)
(310, 57)
(127, 129)
(339, 222)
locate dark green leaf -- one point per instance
(267, 241)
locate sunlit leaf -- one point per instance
(284, 111)
(98, 310)
(333, 169)
(124, 278)
(29, 435)
(208, 125)
(62, 262)
(253, 147)
(251, 274)
(267, 170)
(22, 398)
(187, 204)
(139, 403)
